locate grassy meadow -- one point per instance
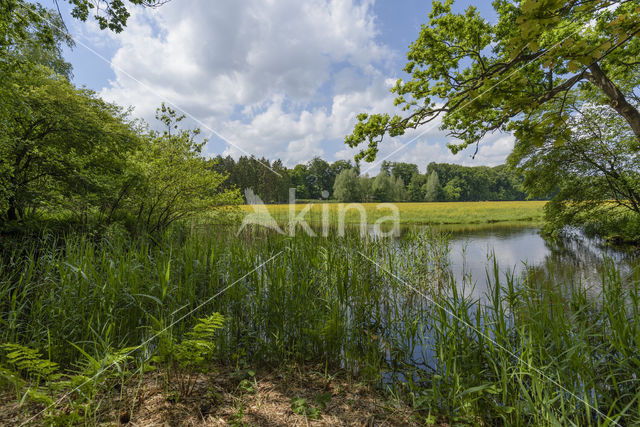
(417, 213)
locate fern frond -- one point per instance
(29, 362)
(206, 327)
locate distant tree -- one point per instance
(385, 167)
(382, 187)
(347, 186)
(414, 189)
(398, 192)
(432, 188)
(226, 166)
(281, 183)
(299, 180)
(320, 177)
(366, 188)
(340, 165)
(404, 171)
(453, 190)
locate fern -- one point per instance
(207, 327)
(24, 362)
(93, 367)
(30, 363)
(193, 353)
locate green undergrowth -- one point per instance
(80, 313)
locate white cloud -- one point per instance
(278, 78)
(298, 136)
(244, 52)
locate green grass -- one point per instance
(417, 213)
(388, 312)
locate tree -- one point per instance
(398, 193)
(366, 188)
(280, 181)
(519, 74)
(385, 167)
(347, 186)
(414, 189)
(61, 146)
(176, 179)
(320, 177)
(340, 165)
(432, 188)
(300, 181)
(404, 170)
(226, 166)
(453, 190)
(595, 175)
(21, 20)
(382, 187)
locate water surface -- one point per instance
(574, 259)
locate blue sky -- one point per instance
(280, 79)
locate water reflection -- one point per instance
(574, 260)
(567, 264)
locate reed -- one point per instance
(387, 311)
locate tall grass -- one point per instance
(387, 311)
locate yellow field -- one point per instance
(413, 213)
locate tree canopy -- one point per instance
(111, 14)
(63, 150)
(347, 186)
(595, 175)
(61, 144)
(540, 71)
(519, 74)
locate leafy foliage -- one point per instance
(173, 179)
(192, 355)
(532, 73)
(66, 150)
(300, 406)
(516, 74)
(432, 189)
(111, 14)
(595, 174)
(347, 187)
(30, 363)
(64, 147)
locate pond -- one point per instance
(574, 259)
(573, 262)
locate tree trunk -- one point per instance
(618, 101)
(12, 212)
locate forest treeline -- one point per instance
(342, 181)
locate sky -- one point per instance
(271, 78)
